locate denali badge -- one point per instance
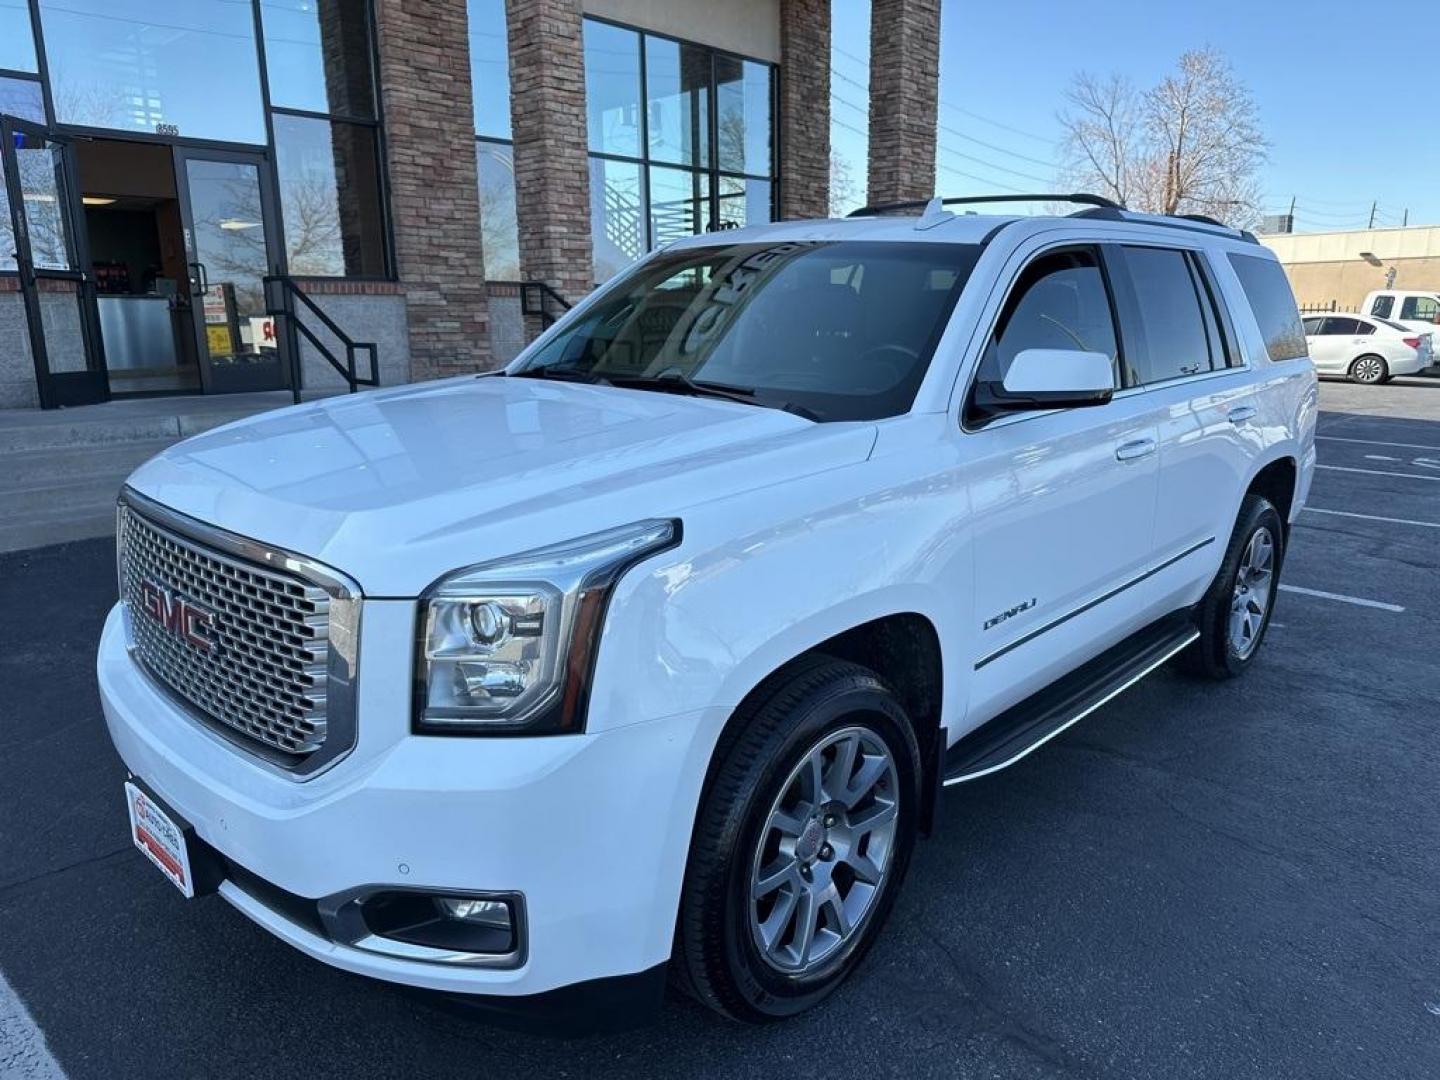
(185, 620)
(1009, 613)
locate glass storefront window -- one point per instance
(17, 39)
(330, 197)
(617, 216)
(499, 235)
(743, 201)
(612, 89)
(679, 204)
(677, 101)
(742, 98)
(490, 68)
(317, 56)
(190, 69)
(22, 98)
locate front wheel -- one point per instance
(801, 843)
(1369, 370)
(1235, 612)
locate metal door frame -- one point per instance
(198, 282)
(56, 389)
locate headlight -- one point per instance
(508, 647)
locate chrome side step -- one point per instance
(1033, 722)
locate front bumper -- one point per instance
(592, 830)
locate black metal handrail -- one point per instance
(281, 293)
(540, 292)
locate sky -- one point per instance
(1347, 113)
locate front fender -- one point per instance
(702, 625)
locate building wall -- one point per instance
(748, 27)
(380, 319)
(17, 370)
(1341, 268)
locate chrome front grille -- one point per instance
(248, 645)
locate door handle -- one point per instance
(1135, 448)
(199, 280)
(1240, 414)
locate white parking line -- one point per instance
(1359, 601)
(23, 1053)
(1378, 472)
(1377, 442)
(1374, 517)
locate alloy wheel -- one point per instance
(1254, 590)
(1369, 369)
(825, 851)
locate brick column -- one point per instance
(804, 108)
(434, 189)
(904, 89)
(552, 167)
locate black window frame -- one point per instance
(711, 171)
(1221, 347)
(377, 123)
(974, 415)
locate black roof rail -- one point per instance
(960, 200)
(1169, 221)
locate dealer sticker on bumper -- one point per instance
(159, 838)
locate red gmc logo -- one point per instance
(178, 616)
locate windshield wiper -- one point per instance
(562, 374)
(677, 382)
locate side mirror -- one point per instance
(1056, 378)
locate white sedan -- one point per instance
(1366, 349)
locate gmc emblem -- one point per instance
(177, 616)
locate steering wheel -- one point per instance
(897, 360)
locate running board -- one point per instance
(1033, 722)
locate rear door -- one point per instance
(1062, 500)
(1184, 353)
(1336, 345)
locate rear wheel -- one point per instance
(1235, 613)
(1369, 369)
(800, 845)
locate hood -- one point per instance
(396, 487)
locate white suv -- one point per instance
(649, 655)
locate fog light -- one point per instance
(492, 913)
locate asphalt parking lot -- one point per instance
(1230, 881)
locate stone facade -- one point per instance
(904, 91)
(552, 167)
(804, 108)
(434, 187)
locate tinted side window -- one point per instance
(1177, 336)
(1340, 327)
(1059, 302)
(1383, 306)
(1312, 326)
(1273, 303)
(1422, 308)
(1362, 327)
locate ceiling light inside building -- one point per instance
(97, 200)
(235, 224)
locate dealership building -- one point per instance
(230, 195)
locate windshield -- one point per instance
(833, 331)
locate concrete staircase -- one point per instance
(61, 470)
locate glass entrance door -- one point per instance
(232, 244)
(40, 240)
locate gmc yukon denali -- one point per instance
(648, 657)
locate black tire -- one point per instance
(1215, 654)
(1369, 370)
(717, 959)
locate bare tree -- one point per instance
(1190, 144)
(1102, 135)
(845, 194)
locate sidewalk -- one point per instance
(61, 469)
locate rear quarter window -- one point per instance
(1268, 291)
